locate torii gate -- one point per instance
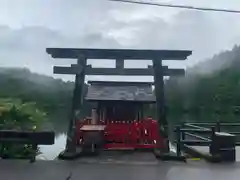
(81, 69)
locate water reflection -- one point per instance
(50, 152)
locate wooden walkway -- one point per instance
(206, 150)
(125, 169)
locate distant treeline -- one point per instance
(215, 92)
(51, 95)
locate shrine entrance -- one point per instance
(158, 71)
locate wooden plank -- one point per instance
(66, 70)
(121, 83)
(126, 54)
(199, 131)
(43, 138)
(174, 72)
(115, 71)
(119, 63)
(92, 128)
(119, 72)
(213, 124)
(16, 140)
(195, 127)
(196, 142)
(197, 136)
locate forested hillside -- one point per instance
(51, 95)
(215, 90)
(48, 92)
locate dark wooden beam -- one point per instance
(66, 70)
(76, 103)
(119, 72)
(74, 69)
(125, 54)
(121, 83)
(38, 137)
(160, 100)
(174, 72)
(119, 63)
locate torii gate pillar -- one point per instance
(160, 101)
(77, 102)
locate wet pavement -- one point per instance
(114, 165)
(121, 157)
(117, 166)
(76, 170)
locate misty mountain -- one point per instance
(218, 62)
(22, 83)
(208, 68)
(212, 86)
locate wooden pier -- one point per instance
(207, 141)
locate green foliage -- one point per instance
(51, 95)
(15, 115)
(23, 116)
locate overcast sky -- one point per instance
(27, 27)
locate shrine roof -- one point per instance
(120, 91)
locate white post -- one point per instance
(94, 116)
(104, 114)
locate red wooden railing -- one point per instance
(140, 134)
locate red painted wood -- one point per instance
(141, 134)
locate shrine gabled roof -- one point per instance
(120, 91)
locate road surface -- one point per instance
(105, 168)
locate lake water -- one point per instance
(50, 152)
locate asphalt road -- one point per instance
(105, 168)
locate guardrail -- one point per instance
(218, 125)
(201, 134)
(198, 140)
